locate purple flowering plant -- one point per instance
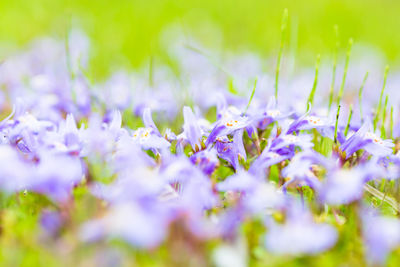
(224, 176)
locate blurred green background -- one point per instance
(127, 32)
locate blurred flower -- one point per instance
(364, 138)
(191, 130)
(51, 222)
(139, 226)
(299, 235)
(381, 235)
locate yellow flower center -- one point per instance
(273, 113)
(314, 120)
(142, 133)
(376, 139)
(231, 123)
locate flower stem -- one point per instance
(378, 110)
(349, 120)
(278, 64)
(336, 29)
(360, 91)
(312, 93)
(346, 66)
(336, 124)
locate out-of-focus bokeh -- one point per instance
(152, 133)
(127, 32)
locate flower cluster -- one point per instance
(293, 169)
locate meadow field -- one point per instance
(199, 133)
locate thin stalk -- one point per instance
(294, 37)
(151, 71)
(383, 129)
(278, 64)
(336, 124)
(209, 58)
(360, 91)
(68, 53)
(312, 93)
(348, 120)
(378, 110)
(391, 122)
(378, 194)
(346, 66)
(256, 141)
(251, 96)
(336, 28)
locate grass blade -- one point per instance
(378, 110)
(336, 29)
(360, 91)
(278, 64)
(346, 66)
(252, 95)
(312, 93)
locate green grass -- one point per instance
(127, 32)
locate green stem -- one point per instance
(378, 110)
(278, 64)
(378, 194)
(334, 67)
(391, 122)
(346, 66)
(251, 96)
(348, 120)
(336, 124)
(383, 129)
(312, 93)
(151, 70)
(360, 91)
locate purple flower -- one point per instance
(147, 138)
(381, 235)
(258, 196)
(207, 160)
(289, 140)
(324, 124)
(15, 173)
(150, 137)
(49, 180)
(242, 181)
(231, 121)
(66, 139)
(365, 139)
(300, 170)
(143, 227)
(194, 188)
(139, 184)
(128, 156)
(231, 150)
(269, 115)
(299, 234)
(99, 138)
(300, 237)
(148, 121)
(191, 129)
(343, 186)
(169, 135)
(265, 160)
(25, 130)
(51, 222)
(264, 199)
